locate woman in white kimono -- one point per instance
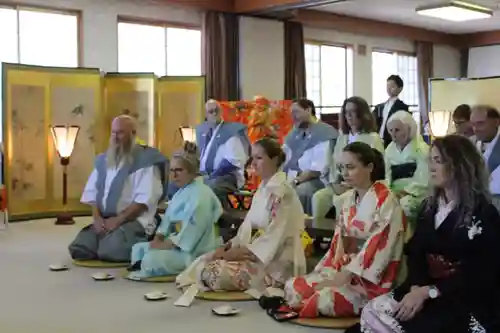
(356, 124)
(406, 163)
(188, 228)
(272, 256)
(365, 253)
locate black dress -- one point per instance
(463, 262)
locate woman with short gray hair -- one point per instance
(188, 228)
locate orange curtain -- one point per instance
(263, 118)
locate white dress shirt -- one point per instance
(143, 187)
(232, 150)
(313, 159)
(443, 210)
(487, 147)
(387, 108)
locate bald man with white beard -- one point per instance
(124, 190)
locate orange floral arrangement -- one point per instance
(263, 118)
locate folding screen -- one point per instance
(34, 99)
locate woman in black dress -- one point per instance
(453, 258)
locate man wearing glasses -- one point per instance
(461, 120)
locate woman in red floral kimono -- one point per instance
(364, 256)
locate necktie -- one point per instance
(209, 135)
(483, 147)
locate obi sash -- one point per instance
(401, 171)
(440, 267)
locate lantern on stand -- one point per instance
(188, 134)
(439, 123)
(64, 137)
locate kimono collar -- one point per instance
(275, 184)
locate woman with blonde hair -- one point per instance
(357, 124)
(453, 266)
(188, 227)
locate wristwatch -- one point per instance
(433, 292)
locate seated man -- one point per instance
(124, 190)
(224, 149)
(308, 149)
(188, 229)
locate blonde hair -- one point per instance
(189, 157)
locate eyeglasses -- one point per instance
(459, 122)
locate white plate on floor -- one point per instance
(156, 296)
(102, 276)
(226, 310)
(58, 267)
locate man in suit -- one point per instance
(485, 121)
(384, 111)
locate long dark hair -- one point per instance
(466, 169)
(367, 155)
(362, 112)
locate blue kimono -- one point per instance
(190, 223)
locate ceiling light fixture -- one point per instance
(457, 11)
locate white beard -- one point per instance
(115, 156)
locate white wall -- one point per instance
(261, 43)
(483, 61)
(262, 68)
(100, 29)
(446, 59)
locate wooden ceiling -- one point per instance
(297, 12)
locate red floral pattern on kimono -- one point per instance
(362, 262)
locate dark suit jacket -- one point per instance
(378, 113)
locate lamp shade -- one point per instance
(439, 122)
(188, 134)
(64, 139)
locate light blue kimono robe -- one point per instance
(196, 208)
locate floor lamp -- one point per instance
(64, 140)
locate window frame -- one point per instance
(54, 10)
(345, 46)
(395, 52)
(158, 23)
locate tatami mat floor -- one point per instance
(33, 299)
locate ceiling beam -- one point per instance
(204, 5)
(317, 19)
(481, 38)
(269, 6)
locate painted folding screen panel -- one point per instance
(133, 95)
(181, 103)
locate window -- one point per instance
(385, 64)
(329, 71)
(37, 37)
(159, 49)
